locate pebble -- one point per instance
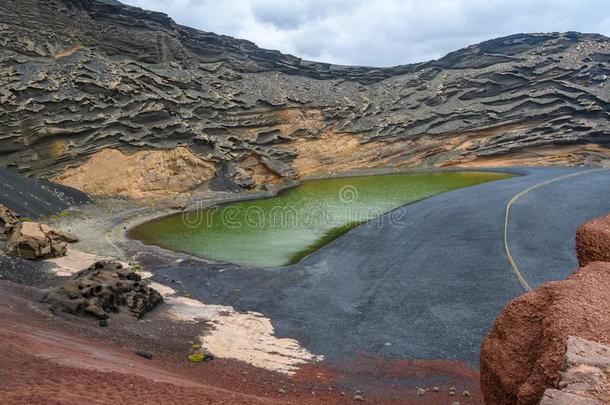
(466, 393)
(358, 397)
(103, 323)
(146, 355)
(420, 392)
(451, 393)
(455, 403)
(436, 389)
(281, 391)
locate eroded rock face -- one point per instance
(139, 174)
(593, 241)
(103, 289)
(33, 240)
(80, 77)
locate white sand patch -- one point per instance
(146, 275)
(247, 337)
(162, 289)
(250, 337)
(76, 260)
(73, 262)
(190, 310)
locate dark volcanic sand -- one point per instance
(32, 198)
(431, 287)
(62, 359)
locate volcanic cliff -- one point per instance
(113, 99)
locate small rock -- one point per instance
(146, 355)
(420, 392)
(451, 393)
(466, 393)
(103, 323)
(455, 403)
(196, 358)
(358, 397)
(436, 389)
(281, 390)
(452, 388)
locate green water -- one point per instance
(282, 230)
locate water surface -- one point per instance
(281, 230)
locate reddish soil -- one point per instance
(523, 353)
(63, 359)
(593, 241)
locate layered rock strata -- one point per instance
(82, 79)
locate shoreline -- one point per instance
(208, 202)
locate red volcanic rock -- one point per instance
(593, 241)
(523, 353)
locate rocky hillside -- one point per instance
(555, 340)
(117, 100)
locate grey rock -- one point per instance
(80, 76)
(556, 397)
(586, 352)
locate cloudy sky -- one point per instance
(380, 32)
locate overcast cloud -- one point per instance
(380, 32)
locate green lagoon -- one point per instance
(281, 230)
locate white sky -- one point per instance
(380, 32)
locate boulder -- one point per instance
(102, 289)
(524, 352)
(8, 221)
(593, 241)
(33, 240)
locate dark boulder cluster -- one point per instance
(104, 288)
